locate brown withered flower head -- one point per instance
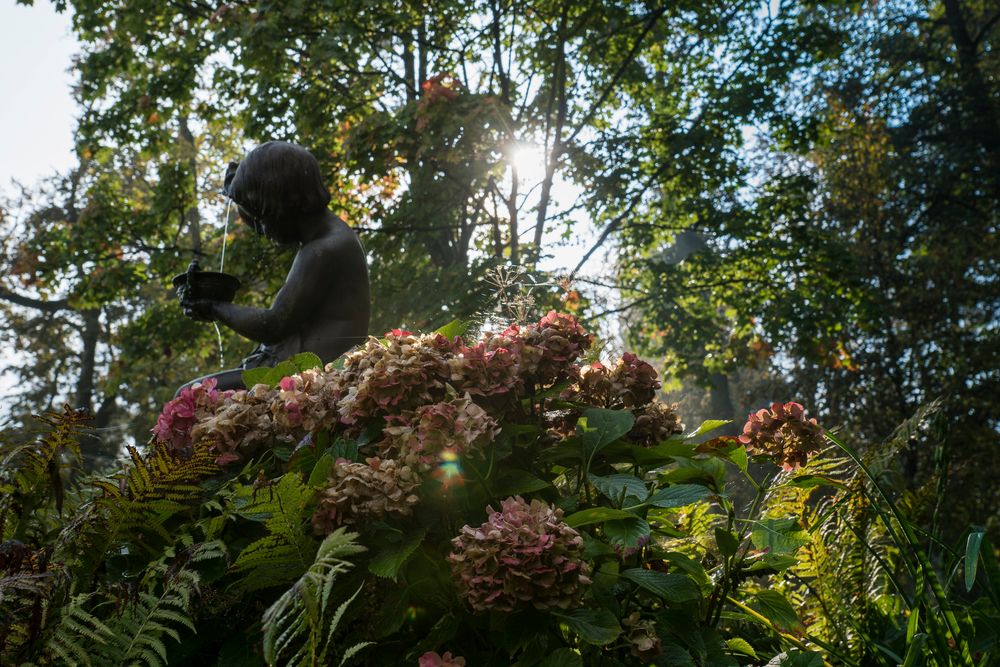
(358, 492)
(654, 423)
(783, 433)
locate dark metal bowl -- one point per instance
(210, 285)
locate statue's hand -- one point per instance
(202, 310)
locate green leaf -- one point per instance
(627, 533)
(598, 428)
(321, 471)
(740, 645)
(562, 657)
(596, 515)
(796, 659)
(594, 548)
(389, 561)
(778, 536)
(812, 481)
(454, 328)
(255, 376)
(617, 488)
(670, 586)
(708, 425)
(595, 626)
(972, 547)
(678, 495)
(726, 541)
(711, 471)
(514, 482)
(273, 376)
(776, 608)
(345, 449)
(776, 562)
(304, 361)
(738, 455)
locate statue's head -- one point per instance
(275, 186)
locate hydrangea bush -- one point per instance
(442, 500)
(521, 502)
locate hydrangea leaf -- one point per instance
(670, 586)
(596, 515)
(777, 609)
(628, 533)
(304, 361)
(388, 562)
(595, 626)
(708, 426)
(599, 427)
(778, 536)
(454, 328)
(617, 488)
(740, 645)
(515, 482)
(678, 495)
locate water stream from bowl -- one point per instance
(222, 265)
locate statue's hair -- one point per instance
(277, 181)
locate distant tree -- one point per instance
(859, 250)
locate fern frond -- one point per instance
(299, 622)
(77, 625)
(287, 551)
(32, 475)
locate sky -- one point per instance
(37, 118)
(36, 121)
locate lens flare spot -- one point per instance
(449, 470)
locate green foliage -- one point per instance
(304, 609)
(272, 376)
(134, 635)
(287, 550)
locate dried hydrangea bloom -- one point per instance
(240, 425)
(307, 402)
(432, 659)
(420, 437)
(630, 383)
(593, 386)
(359, 492)
(489, 368)
(409, 371)
(523, 555)
(180, 415)
(561, 341)
(634, 381)
(783, 433)
(654, 423)
(642, 637)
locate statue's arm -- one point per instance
(304, 290)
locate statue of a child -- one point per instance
(323, 307)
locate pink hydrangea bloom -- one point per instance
(432, 659)
(523, 555)
(179, 416)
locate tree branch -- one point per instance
(30, 302)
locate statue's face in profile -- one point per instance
(282, 232)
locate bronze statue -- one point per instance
(323, 307)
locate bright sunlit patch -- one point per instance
(449, 471)
(529, 160)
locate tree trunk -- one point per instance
(85, 381)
